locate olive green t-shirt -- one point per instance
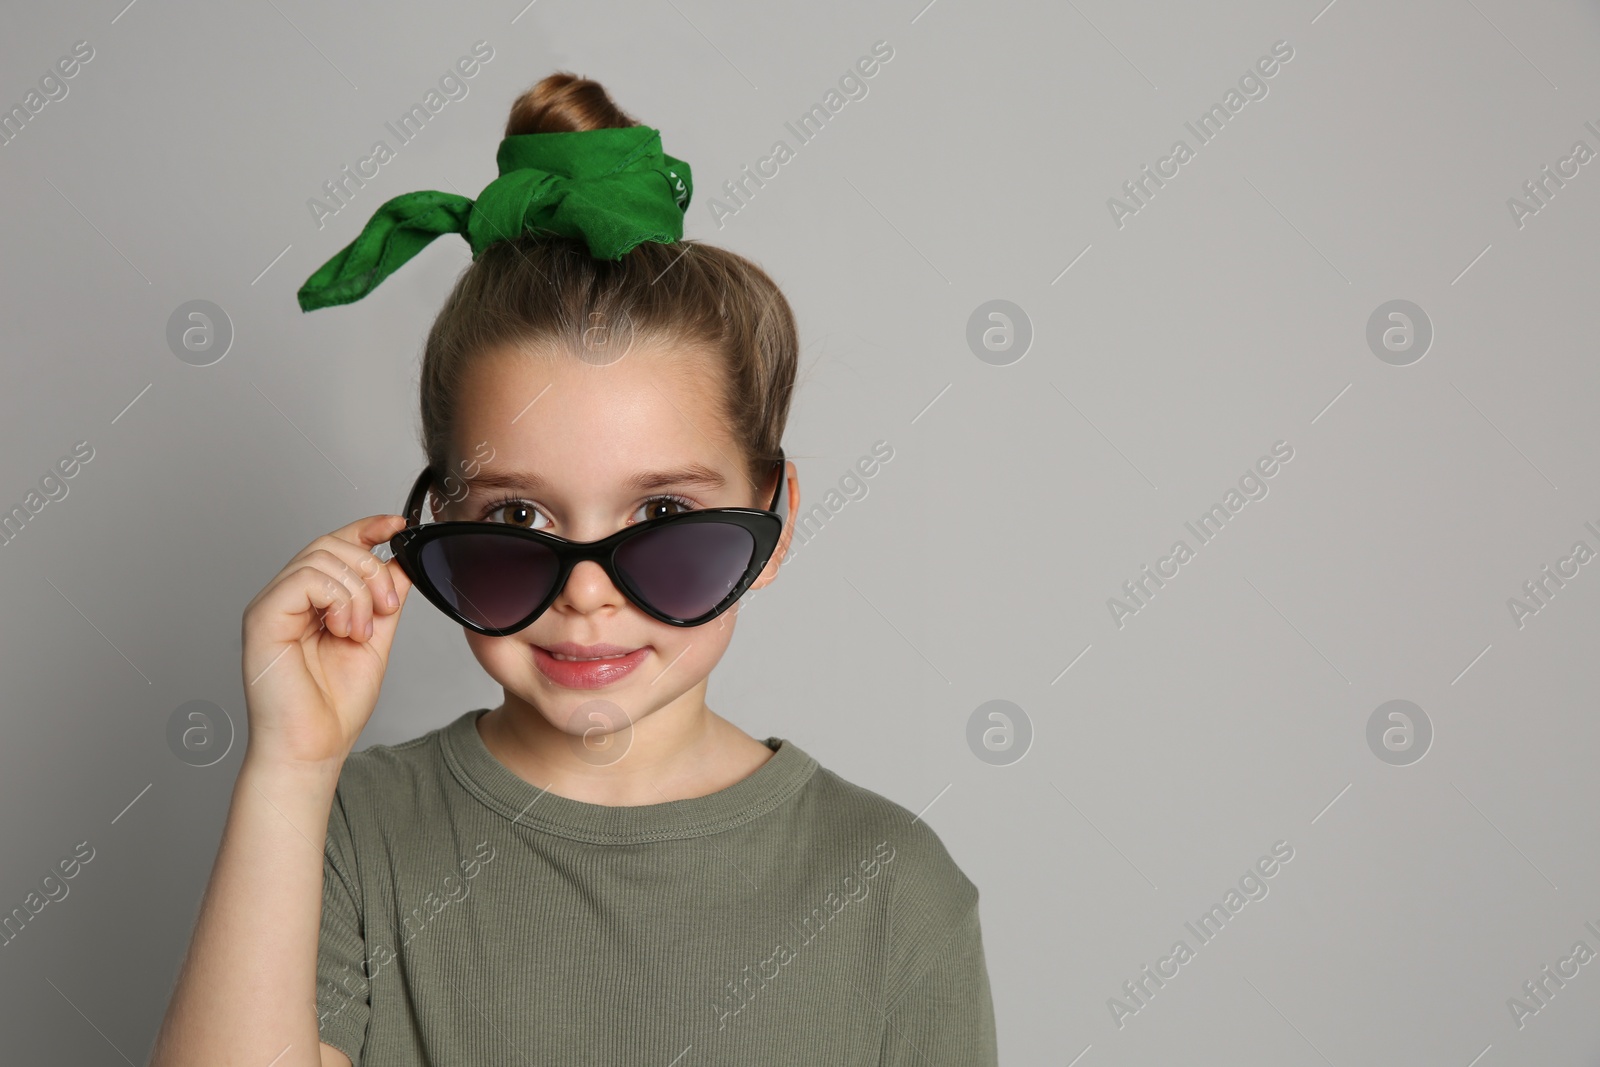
(469, 918)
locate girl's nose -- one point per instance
(588, 589)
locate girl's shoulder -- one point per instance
(909, 851)
(386, 772)
(926, 896)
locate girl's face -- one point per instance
(577, 438)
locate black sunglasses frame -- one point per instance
(764, 526)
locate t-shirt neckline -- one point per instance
(498, 787)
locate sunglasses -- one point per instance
(496, 578)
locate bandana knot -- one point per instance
(612, 188)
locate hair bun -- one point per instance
(565, 103)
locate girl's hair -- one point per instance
(544, 291)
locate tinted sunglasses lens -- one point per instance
(493, 581)
(686, 569)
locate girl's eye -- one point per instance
(660, 507)
(517, 512)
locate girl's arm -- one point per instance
(946, 1018)
(316, 645)
(246, 991)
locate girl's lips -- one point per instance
(595, 674)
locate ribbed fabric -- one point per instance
(471, 919)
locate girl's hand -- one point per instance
(316, 645)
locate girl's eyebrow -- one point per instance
(696, 474)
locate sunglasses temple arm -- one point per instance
(780, 495)
(414, 502)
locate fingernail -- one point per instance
(393, 598)
(369, 628)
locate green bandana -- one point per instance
(613, 188)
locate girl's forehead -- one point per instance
(539, 413)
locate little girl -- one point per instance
(601, 869)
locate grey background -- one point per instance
(1230, 313)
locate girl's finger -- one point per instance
(331, 561)
(379, 577)
(355, 550)
(287, 605)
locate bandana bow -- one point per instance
(613, 188)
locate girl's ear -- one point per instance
(770, 571)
